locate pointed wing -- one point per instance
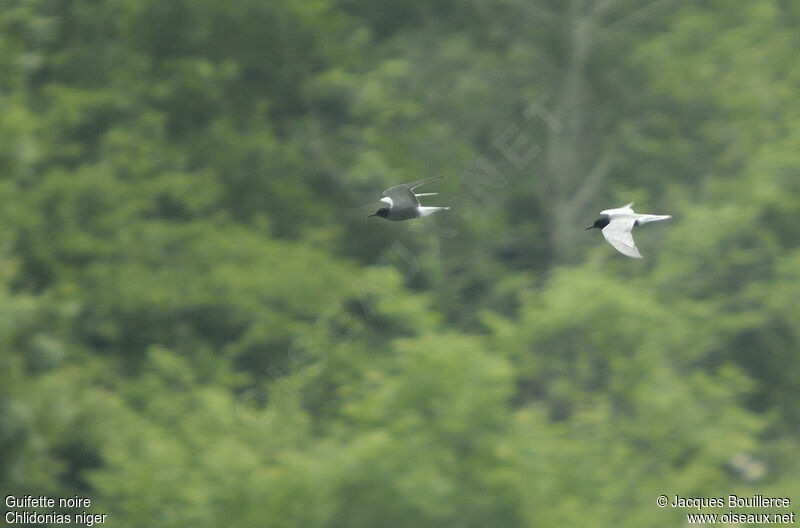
(402, 195)
(618, 234)
(414, 185)
(624, 210)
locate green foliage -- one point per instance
(199, 326)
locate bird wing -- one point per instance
(414, 185)
(624, 210)
(619, 234)
(402, 195)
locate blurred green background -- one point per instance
(199, 326)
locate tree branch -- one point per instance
(592, 183)
(640, 15)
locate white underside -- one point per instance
(619, 234)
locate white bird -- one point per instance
(617, 226)
(403, 204)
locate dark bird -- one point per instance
(617, 226)
(403, 204)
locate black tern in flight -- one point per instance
(617, 225)
(403, 204)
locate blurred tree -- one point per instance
(200, 327)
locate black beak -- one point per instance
(588, 228)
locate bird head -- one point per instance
(383, 212)
(600, 223)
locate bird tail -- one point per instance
(425, 194)
(426, 211)
(647, 218)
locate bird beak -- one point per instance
(373, 214)
(588, 228)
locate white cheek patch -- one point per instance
(388, 201)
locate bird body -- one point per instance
(617, 227)
(403, 204)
